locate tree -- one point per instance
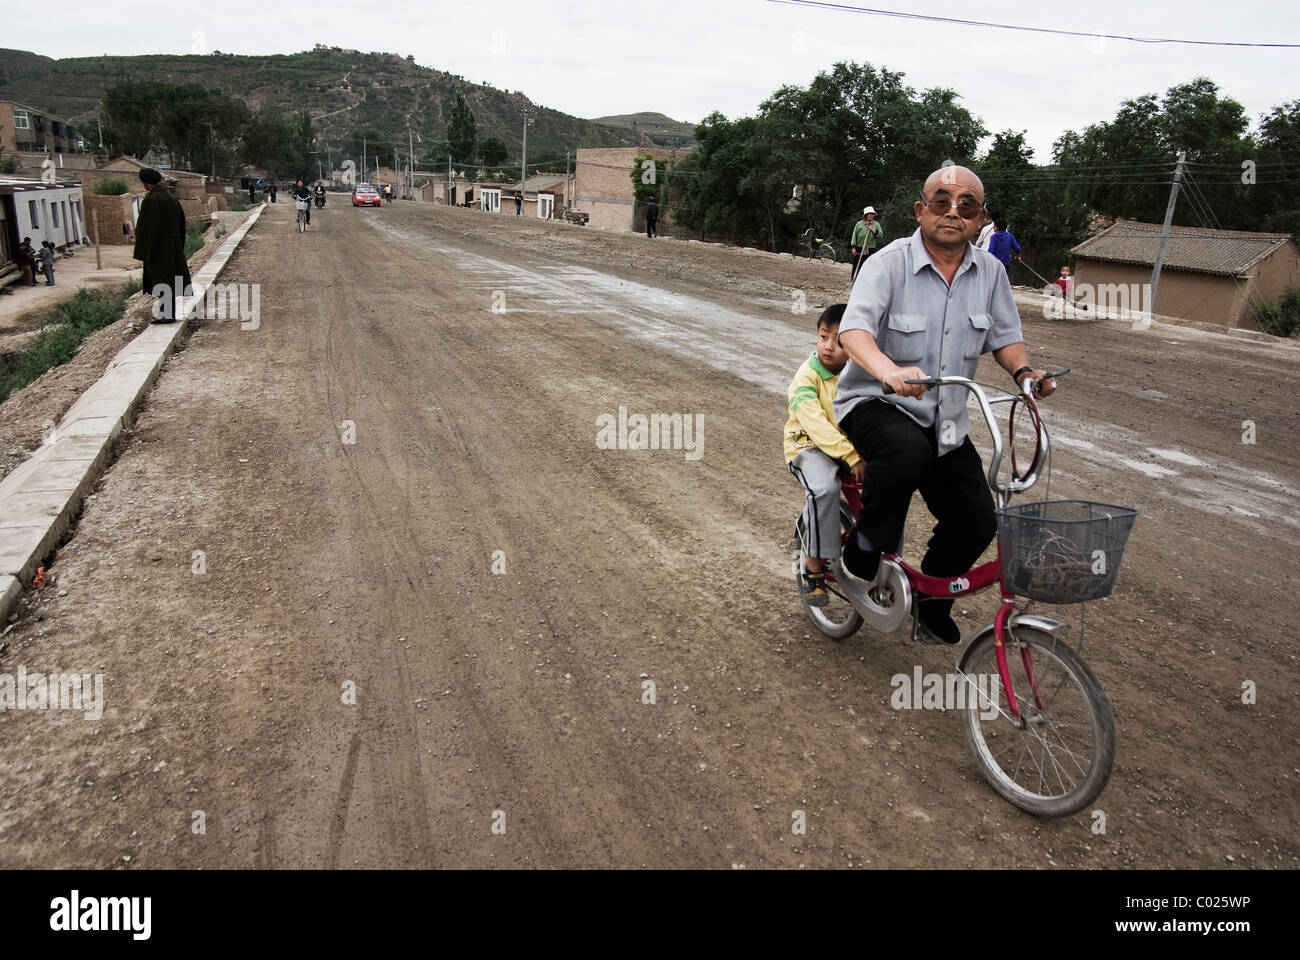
(1123, 168)
(814, 155)
(493, 151)
(1275, 196)
(269, 143)
(462, 132)
(131, 111)
(200, 125)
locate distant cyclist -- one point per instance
(300, 192)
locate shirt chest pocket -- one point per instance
(906, 338)
(976, 332)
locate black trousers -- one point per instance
(902, 458)
(858, 260)
(650, 224)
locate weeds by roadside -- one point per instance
(194, 236)
(61, 332)
(1282, 319)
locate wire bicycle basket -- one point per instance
(1062, 551)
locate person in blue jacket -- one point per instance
(1002, 243)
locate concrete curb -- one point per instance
(42, 496)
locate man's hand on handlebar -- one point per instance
(897, 379)
(859, 471)
(1041, 382)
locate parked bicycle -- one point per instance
(1042, 733)
(815, 247)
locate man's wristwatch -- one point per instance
(1016, 376)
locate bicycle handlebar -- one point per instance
(1028, 387)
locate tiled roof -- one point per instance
(541, 181)
(1226, 253)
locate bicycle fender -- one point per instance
(1046, 624)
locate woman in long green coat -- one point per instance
(160, 244)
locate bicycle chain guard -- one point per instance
(893, 605)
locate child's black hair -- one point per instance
(832, 315)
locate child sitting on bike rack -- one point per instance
(816, 450)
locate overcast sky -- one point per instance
(687, 58)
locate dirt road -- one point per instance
(290, 580)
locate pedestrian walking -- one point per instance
(519, 204)
(160, 245)
(651, 218)
(274, 190)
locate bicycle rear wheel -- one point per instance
(838, 619)
(826, 252)
(1060, 760)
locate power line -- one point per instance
(1008, 26)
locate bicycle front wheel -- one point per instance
(826, 252)
(1059, 760)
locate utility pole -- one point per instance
(410, 155)
(568, 194)
(1167, 228)
(523, 162)
(364, 178)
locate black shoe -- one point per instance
(164, 320)
(934, 624)
(863, 564)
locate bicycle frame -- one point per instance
(986, 574)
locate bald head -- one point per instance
(956, 180)
(951, 209)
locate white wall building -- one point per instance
(43, 211)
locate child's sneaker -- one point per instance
(812, 586)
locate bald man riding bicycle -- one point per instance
(926, 305)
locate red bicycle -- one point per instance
(1042, 734)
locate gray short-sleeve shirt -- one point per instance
(917, 320)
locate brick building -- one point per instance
(602, 185)
(26, 130)
(1213, 276)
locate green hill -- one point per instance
(659, 129)
(344, 91)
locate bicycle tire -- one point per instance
(1072, 677)
(826, 252)
(839, 619)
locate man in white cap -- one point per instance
(866, 234)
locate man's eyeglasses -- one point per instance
(967, 208)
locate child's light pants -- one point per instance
(818, 474)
